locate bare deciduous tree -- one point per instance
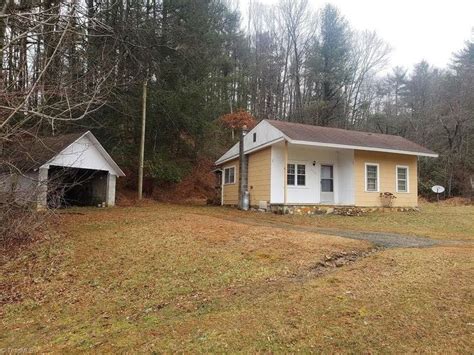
(46, 80)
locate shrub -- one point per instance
(165, 170)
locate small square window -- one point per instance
(229, 175)
(296, 175)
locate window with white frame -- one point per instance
(229, 175)
(371, 177)
(296, 175)
(327, 178)
(402, 178)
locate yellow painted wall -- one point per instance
(387, 178)
(259, 176)
(231, 191)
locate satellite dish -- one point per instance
(438, 189)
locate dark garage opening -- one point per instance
(76, 187)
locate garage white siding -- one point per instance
(82, 154)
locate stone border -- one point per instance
(311, 210)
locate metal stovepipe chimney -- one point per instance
(243, 173)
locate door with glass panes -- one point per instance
(327, 184)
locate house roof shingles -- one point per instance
(329, 135)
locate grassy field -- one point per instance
(437, 221)
(171, 278)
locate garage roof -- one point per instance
(31, 152)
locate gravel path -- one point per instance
(379, 239)
(386, 240)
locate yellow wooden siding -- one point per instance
(387, 178)
(259, 176)
(231, 191)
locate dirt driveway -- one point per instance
(379, 239)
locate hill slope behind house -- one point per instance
(196, 187)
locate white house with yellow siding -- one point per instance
(298, 164)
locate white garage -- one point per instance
(60, 171)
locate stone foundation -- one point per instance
(311, 210)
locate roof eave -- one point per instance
(355, 147)
(106, 155)
(260, 147)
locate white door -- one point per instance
(327, 184)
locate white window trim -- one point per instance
(223, 175)
(378, 176)
(333, 177)
(408, 178)
(286, 175)
(296, 186)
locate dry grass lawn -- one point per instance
(437, 221)
(169, 278)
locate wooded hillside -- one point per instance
(80, 64)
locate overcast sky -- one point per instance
(416, 29)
